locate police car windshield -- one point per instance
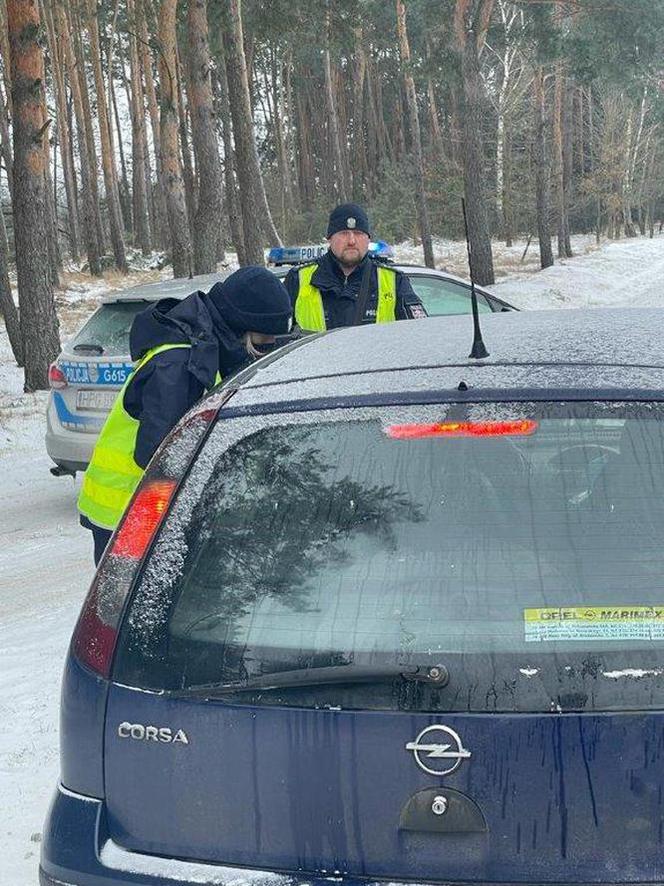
(518, 545)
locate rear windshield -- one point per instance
(109, 328)
(520, 546)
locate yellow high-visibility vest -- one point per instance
(113, 475)
(309, 313)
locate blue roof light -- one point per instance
(293, 255)
(381, 249)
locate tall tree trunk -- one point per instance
(280, 114)
(75, 26)
(173, 184)
(160, 227)
(6, 55)
(542, 175)
(187, 166)
(508, 219)
(342, 187)
(558, 157)
(568, 161)
(38, 319)
(68, 171)
(91, 225)
(471, 21)
(52, 231)
(80, 72)
(7, 306)
(254, 201)
(139, 180)
(105, 138)
(207, 220)
(232, 197)
(304, 153)
(359, 153)
(124, 192)
(411, 99)
(6, 142)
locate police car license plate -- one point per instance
(97, 401)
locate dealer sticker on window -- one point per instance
(594, 623)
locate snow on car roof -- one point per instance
(183, 286)
(587, 348)
(174, 288)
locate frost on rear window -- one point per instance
(150, 610)
(324, 538)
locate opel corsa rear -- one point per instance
(379, 612)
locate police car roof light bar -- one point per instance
(478, 351)
(295, 255)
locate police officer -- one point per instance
(183, 348)
(346, 287)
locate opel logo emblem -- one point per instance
(438, 750)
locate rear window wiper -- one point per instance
(89, 346)
(436, 675)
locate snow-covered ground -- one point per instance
(46, 558)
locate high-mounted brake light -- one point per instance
(96, 632)
(56, 377)
(516, 428)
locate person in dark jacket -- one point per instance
(181, 348)
(326, 294)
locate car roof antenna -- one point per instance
(478, 351)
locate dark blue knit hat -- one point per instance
(253, 300)
(348, 217)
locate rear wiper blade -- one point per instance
(437, 675)
(89, 346)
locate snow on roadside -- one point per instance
(521, 257)
(45, 568)
(621, 273)
(624, 273)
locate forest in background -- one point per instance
(194, 126)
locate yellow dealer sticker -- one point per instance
(594, 623)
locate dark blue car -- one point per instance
(379, 612)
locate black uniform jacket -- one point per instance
(171, 382)
(340, 293)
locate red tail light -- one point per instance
(519, 428)
(56, 377)
(96, 632)
(142, 519)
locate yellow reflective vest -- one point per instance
(113, 475)
(309, 313)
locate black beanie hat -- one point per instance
(348, 217)
(253, 300)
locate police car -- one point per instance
(380, 613)
(94, 365)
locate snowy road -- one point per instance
(45, 567)
(628, 273)
(46, 558)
